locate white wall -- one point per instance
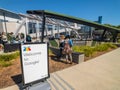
(11, 27)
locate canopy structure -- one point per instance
(49, 14)
(8, 13)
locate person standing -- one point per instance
(61, 45)
(28, 38)
(68, 49)
(12, 38)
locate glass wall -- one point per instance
(32, 28)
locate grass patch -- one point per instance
(6, 58)
(53, 43)
(5, 63)
(50, 52)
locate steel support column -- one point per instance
(103, 34)
(115, 33)
(43, 26)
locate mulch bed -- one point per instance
(12, 74)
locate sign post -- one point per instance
(35, 65)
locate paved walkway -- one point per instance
(101, 73)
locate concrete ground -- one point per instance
(100, 73)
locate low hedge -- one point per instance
(101, 47)
(6, 58)
(89, 51)
(9, 56)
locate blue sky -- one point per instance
(86, 9)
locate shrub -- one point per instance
(76, 49)
(50, 52)
(53, 43)
(105, 46)
(101, 47)
(6, 58)
(118, 41)
(111, 45)
(5, 63)
(87, 50)
(9, 56)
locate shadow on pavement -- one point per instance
(18, 80)
(57, 59)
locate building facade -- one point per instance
(32, 25)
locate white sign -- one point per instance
(34, 59)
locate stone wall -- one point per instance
(78, 57)
(11, 47)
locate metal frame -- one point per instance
(54, 15)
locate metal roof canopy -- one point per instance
(70, 19)
(9, 13)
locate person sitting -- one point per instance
(28, 38)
